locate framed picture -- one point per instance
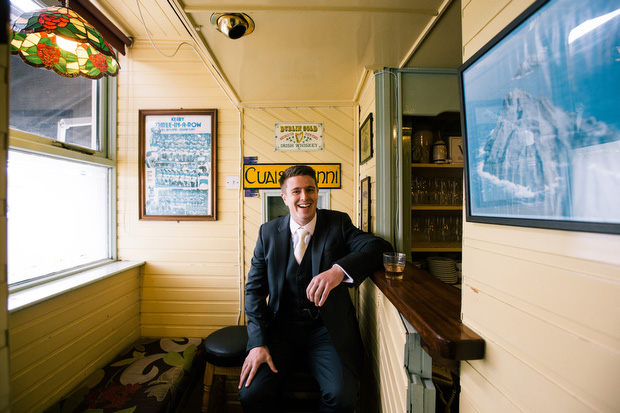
(541, 129)
(177, 164)
(366, 139)
(456, 149)
(365, 204)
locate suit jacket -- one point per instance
(335, 241)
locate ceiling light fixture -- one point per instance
(233, 25)
(59, 39)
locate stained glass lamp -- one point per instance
(59, 39)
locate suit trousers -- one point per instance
(293, 343)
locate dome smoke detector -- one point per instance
(233, 25)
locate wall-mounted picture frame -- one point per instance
(177, 164)
(365, 204)
(366, 139)
(541, 130)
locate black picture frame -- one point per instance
(177, 164)
(365, 139)
(541, 132)
(365, 199)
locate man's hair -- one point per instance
(296, 170)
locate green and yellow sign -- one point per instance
(266, 175)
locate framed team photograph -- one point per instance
(177, 160)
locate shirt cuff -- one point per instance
(347, 278)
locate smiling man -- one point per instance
(297, 303)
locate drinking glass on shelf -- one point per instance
(434, 191)
(416, 229)
(456, 229)
(423, 185)
(429, 229)
(457, 192)
(417, 191)
(444, 191)
(444, 229)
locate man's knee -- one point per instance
(340, 400)
(254, 398)
(260, 395)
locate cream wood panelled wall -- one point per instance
(4, 130)
(190, 282)
(57, 344)
(339, 137)
(545, 302)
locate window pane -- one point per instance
(46, 104)
(57, 215)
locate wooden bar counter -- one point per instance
(434, 309)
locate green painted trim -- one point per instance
(385, 109)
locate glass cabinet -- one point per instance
(436, 200)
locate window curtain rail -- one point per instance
(108, 30)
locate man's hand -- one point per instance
(322, 284)
(256, 357)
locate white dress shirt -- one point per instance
(294, 226)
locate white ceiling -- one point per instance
(305, 52)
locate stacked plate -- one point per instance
(443, 268)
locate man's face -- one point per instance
(300, 194)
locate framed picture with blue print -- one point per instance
(540, 125)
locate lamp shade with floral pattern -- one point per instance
(59, 39)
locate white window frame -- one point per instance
(106, 157)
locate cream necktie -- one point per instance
(300, 248)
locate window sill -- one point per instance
(25, 298)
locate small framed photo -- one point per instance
(456, 149)
(365, 204)
(366, 139)
(177, 164)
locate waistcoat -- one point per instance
(294, 304)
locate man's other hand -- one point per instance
(322, 284)
(256, 357)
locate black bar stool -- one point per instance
(224, 353)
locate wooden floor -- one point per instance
(221, 401)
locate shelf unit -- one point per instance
(435, 227)
(441, 171)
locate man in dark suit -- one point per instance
(298, 305)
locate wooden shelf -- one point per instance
(437, 165)
(436, 249)
(434, 309)
(429, 207)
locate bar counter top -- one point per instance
(434, 309)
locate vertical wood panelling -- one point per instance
(546, 302)
(384, 386)
(369, 327)
(392, 337)
(190, 284)
(367, 106)
(56, 344)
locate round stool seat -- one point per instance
(226, 347)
